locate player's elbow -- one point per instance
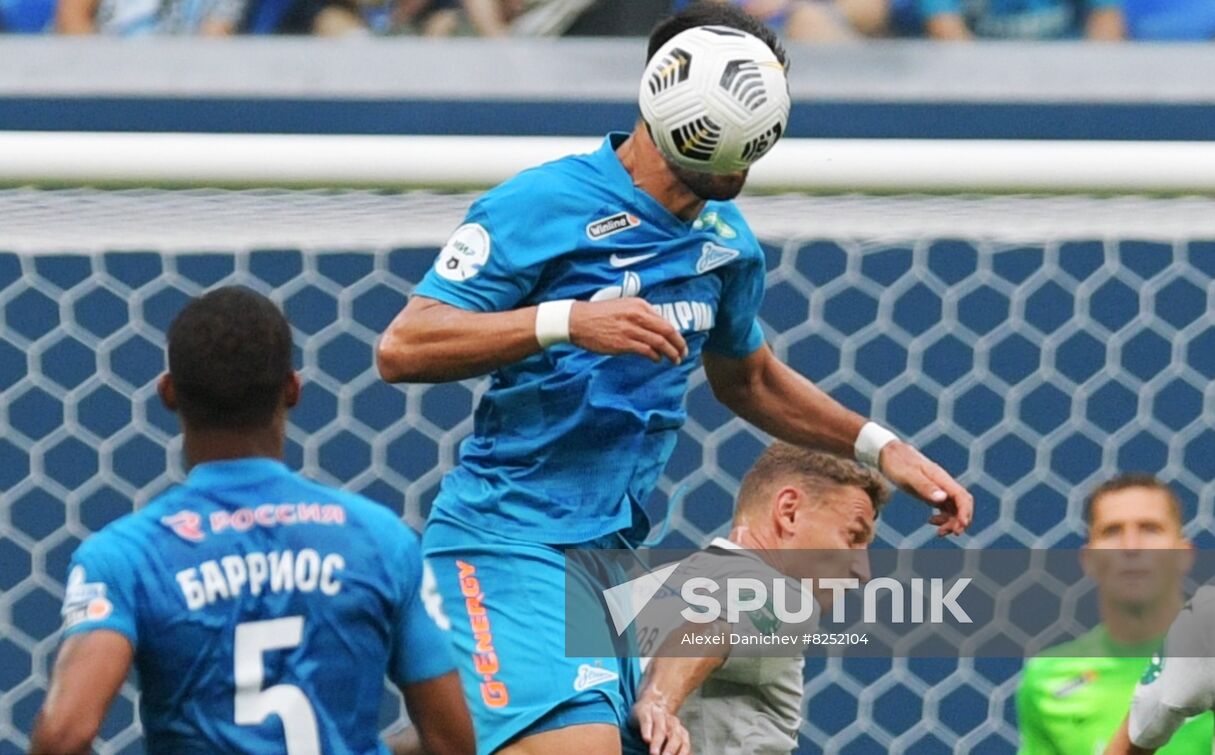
(736, 383)
(62, 735)
(730, 395)
(405, 352)
(392, 357)
(411, 344)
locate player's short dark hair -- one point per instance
(1128, 481)
(230, 358)
(783, 463)
(714, 14)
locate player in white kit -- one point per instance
(1179, 683)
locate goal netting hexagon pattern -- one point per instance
(1031, 345)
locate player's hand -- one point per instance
(918, 475)
(625, 326)
(661, 729)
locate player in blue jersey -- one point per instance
(260, 609)
(591, 288)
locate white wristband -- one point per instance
(553, 322)
(870, 442)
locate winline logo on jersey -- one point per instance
(604, 227)
(880, 603)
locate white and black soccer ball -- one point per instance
(716, 99)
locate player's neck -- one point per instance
(755, 539)
(641, 158)
(1128, 626)
(202, 446)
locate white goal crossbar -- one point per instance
(439, 162)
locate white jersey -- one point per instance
(1180, 681)
(752, 703)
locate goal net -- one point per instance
(1032, 345)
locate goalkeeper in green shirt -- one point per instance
(1073, 697)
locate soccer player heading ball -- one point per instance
(591, 288)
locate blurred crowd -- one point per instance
(795, 20)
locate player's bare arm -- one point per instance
(949, 26)
(442, 725)
(1121, 743)
(88, 674)
(775, 398)
(668, 682)
(669, 679)
(1105, 25)
(656, 712)
(76, 16)
(433, 342)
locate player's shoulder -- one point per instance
(1037, 669)
(369, 516)
(728, 222)
(358, 507)
(134, 532)
(560, 187)
(1062, 658)
(121, 536)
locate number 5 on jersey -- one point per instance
(253, 705)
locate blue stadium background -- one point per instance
(1030, 370)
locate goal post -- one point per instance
(454, 162)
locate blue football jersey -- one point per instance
(264, 610)
(567, 444)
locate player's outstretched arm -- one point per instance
(433, 342)
(669, 679)
(668, 682)
(442, 724)
(775, 398)
(88, 674)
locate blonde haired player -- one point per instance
(800, 514)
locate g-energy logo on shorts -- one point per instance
(604, 227)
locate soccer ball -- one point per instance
(716, 99)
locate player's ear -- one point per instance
(291, 392)
(786, 508)
(167, 391)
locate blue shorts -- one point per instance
(506, 600)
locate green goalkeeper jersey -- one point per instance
(1073, 698)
